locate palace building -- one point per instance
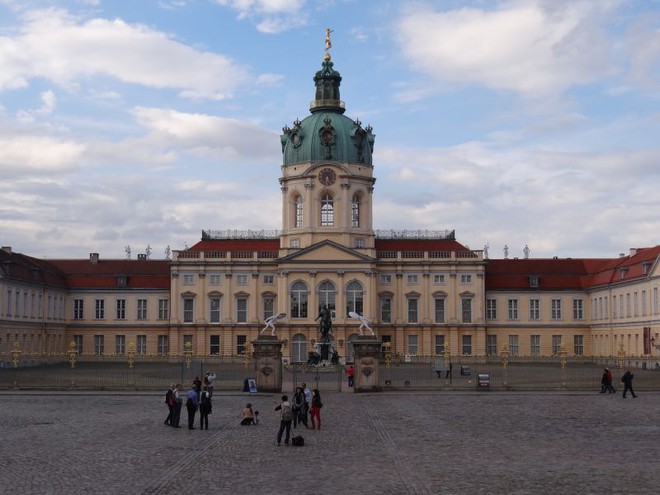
(424, 293)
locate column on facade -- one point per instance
(253, 306)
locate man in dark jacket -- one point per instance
(627, 379)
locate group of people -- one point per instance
(607, 387)
(304, 405)
(197, 398)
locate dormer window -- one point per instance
(623, 270)
(533, 281)
(121, 281)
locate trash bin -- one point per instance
(465, 371)
(483, 381)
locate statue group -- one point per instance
(325, 323)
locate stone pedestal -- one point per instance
(324, 349)
(267, 363)
(367, 363)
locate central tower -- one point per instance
(327, 173)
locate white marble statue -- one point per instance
(364, 323)
(270, 322)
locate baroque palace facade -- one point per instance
(424, 293)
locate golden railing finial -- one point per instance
(328, 44)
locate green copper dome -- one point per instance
(327, 134)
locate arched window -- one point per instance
(299, 349)
(355, 211)
(327, 295)
(327, 211)
(354, 298)
(299, 211)
(299, 294)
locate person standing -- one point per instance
(205, 408)
(286, 416)
(627, 379)
(210, 376)
(350, 373)
(191, 404)
(176, 418)
(316, 409)
(169, 400)
(299, 408)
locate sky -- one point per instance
(133, 125)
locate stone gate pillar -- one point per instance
(267, 363)
(367, 363)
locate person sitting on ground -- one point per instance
(248, 415)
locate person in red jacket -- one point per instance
(350, 372)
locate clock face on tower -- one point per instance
(327, 177)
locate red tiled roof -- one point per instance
(140, 274)
(31, 270)
(237, 245)
(419, 245)
(567, 273)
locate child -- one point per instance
(248, 415)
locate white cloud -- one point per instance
(56, 46)
(273, 16)
(525, 47)
(24, 154)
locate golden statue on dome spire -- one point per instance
(328, 44)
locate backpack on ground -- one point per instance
(287, 412)
(298, 441)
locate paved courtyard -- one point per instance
(388, 443)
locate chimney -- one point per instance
(93, 258)
(142, 257)
(6, 249)
(633, 251)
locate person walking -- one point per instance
(286, 416)
(608, 381)
(169, 400)
(627, 379)
(350, 373)
(176, 416)
(316, 409)
(205, 409)
(191, 404)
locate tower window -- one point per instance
(327, 211)
(299, 212)
(355, 211)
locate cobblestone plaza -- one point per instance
(387, 443)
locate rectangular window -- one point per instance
(628, 305)
(439, 309)
(269, 307)
(120, 345)
(295, 243)
(466, 309)
(385, 278)
(163, 309)
(578, 345)
(412, 279)
(163, 345)
(241, 309)
(643, 303)
(214, 348)
(99, 309)
(635, 304)
(412, 310)
(141, 345)
(188, 309)
(412, 345)
(215, 279)
(556, 345)
(214, 310)
(121, 309)
(466, 345)
(578, 309)
(439, 345)
(439, 278)
(241, 279)
(240, 344)
(656, 301)
(491, 309)
(78, 306)
(491, 345)
(534, 309)
(269, 279)
(556, 309)
(9, 302)
(141, 309)
(513, 309)
(535, 345)
(386, 310)
(188, 279)
(513, 345)
(99, 342)
(78, 339)
(359, 243)
(466, 279)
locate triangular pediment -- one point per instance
(327, 252)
